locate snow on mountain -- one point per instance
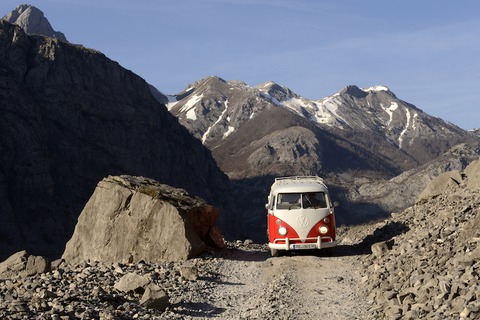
(220, 118)
(373, 118)
(352, 108)
(475, 131)
(311, 110)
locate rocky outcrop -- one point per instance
(32, 21)
(432, 269)
(138, 219)
(70, 117)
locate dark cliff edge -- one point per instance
(70, 117)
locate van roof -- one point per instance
(298, 184)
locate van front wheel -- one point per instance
(274, 252)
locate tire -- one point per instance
(274, 252)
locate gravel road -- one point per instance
(249, 284)
(241, 282)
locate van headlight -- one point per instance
(323, 229)
(282, 231)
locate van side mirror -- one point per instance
(336, 204)
(266, 206)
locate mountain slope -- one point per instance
(70, 117)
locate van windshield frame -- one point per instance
(301, 200)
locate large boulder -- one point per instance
(133, 218)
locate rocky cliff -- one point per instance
(70, 117)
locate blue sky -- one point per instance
(426, 51)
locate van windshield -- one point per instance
(306, 200)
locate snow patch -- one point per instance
(332, 108)
(191, 114)
(414, 122)
(390, 110)
(376, 89)
(172, 101)
(205, 135)
(189, 106)
(400, 138)
(230, 130)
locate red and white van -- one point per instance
(300, 215)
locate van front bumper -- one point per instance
(286, 244)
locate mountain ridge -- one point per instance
(377, 111)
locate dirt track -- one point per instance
(252, 285)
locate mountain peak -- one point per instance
(276, 91)
(355, 91)
(32, 21)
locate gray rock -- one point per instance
(379, 248)
(132, 282)
(154, 298)
(36, 264)
(23, 264)
(189, 272)
(134, 219)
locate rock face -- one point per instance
(32, 21)
(432, 268)
(133, 219)
(70, 117)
